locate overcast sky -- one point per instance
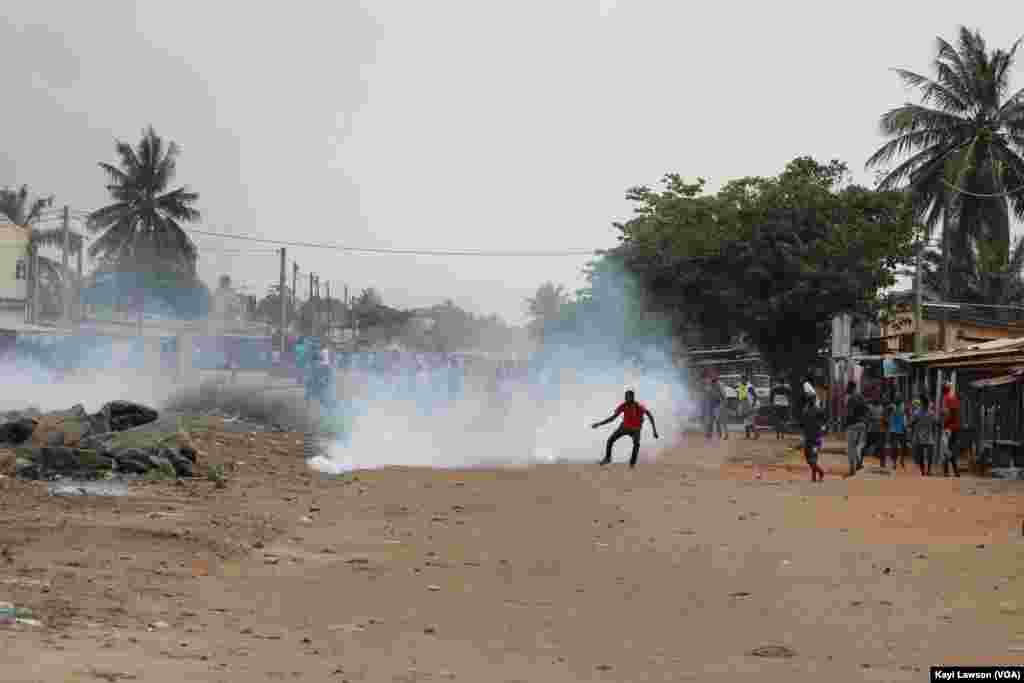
(470, 124)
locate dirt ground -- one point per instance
(678, 570)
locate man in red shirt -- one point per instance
(951, 423)
(632, 422)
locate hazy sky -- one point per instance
(469, 124)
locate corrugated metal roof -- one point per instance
(1014, 375)
(989, 348)
(981, 363)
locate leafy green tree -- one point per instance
(773, 259)
(964, 145)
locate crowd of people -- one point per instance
(714, 404)
(890, 427)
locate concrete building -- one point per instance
(14, 241)
(966, 324)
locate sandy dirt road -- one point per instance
(678, 570)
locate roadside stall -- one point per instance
(996, 405)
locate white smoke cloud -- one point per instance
(537, 419)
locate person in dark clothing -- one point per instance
(813, 424)
(856, 427)
(633, 414)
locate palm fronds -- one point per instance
(962, 149)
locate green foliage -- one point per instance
(88, 457)
(215, 473)
(988, 280)
(142, 440)
(773, 259)
(162, 473)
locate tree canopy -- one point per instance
(769, 259)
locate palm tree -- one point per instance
(142, 228)
(965, 143)
(22, 209)
(992, 282)
(545, 307)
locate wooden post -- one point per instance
(65, 298)
(284, 301)
(78, 287)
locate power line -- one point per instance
(371, 250)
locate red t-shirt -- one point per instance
(952, 405)
(633, 414)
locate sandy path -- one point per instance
(674, 571)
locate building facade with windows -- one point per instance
(14, 242)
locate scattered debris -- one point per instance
(773, 652)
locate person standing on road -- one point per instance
(743, 403)
(876, 432)
(856, 427)
(951, 425)
(898, 431)
(633, 414)
(923, 429)
(707, 404)
(813, 424)
(719, 409)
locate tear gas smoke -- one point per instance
(540, 414)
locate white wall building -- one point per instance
(14, 241)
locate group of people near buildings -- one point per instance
(891, 426)
(714, 404)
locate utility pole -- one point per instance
(78, 288)
(66, 280)
(328, 285)
(348, 310)
(284, 301)
(312, 307)
(295, 289)
(317, 306)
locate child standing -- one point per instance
(813, 428)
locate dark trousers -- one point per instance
(924, 454)
(898, 443)
(954, 454)
(618, 434)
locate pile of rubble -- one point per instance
(74, 444)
